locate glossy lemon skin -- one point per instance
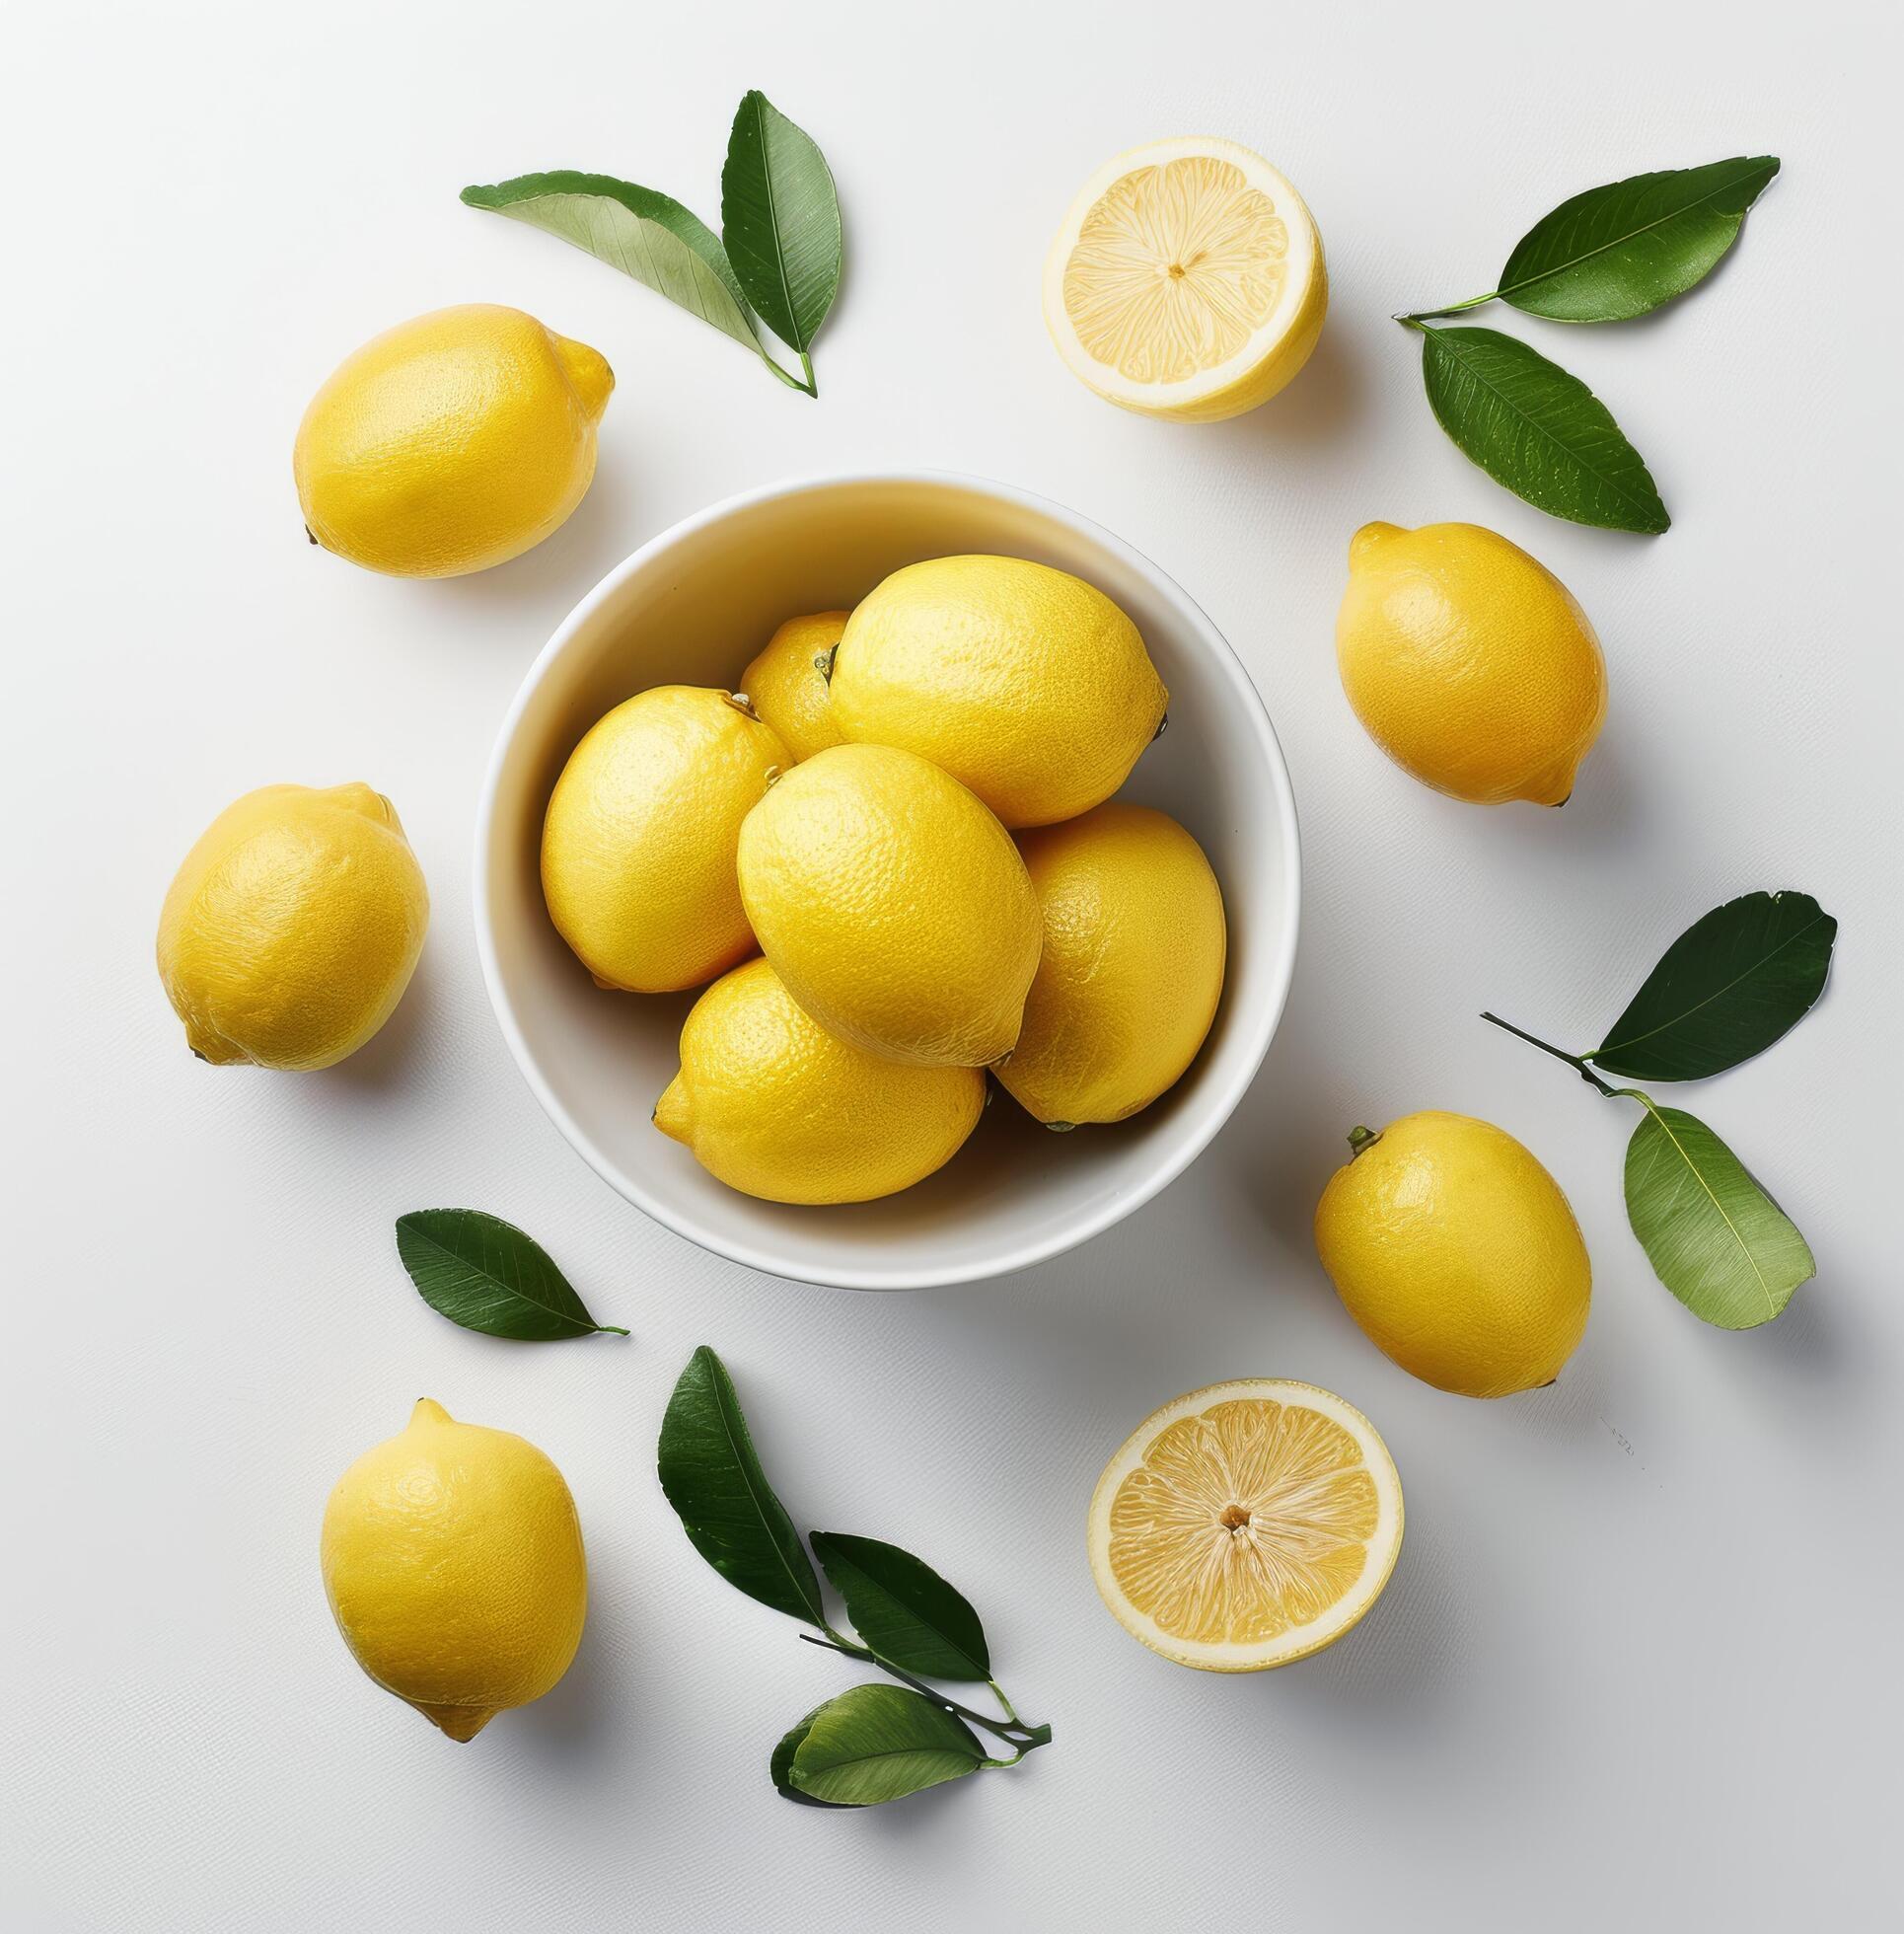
(1132, 968)
(1026, 684)
(893, 905)
(292, 927)
(450, 443)
(1469, 662)
(453, 1561)
(789, 687)
(640, 841)
(771, 1104)
(1457, 1253)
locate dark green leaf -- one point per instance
(903, 1608)
(487, 1275)
(1538, 430)
(1623, 250)
(780, 1768)
(1724, 990)
(878, 1742)
(779, 218)
(1717, 1240)
(643, 234)
(714, 1481)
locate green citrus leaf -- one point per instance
(713, 1479)
(779, 218)
(780, 1768)
(1538, 430)
(903, 1608)
(642, 233)
(487, 1275)
(1621, 251)
(1725, 990)
(878, 1742)
(1717, 1240)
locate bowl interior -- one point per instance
(693, 608)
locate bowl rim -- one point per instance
(1213, 1112)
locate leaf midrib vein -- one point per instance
(1539, 429)
(1691, 1168)
(1644, 227)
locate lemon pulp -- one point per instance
(1175, 268)
(1246, 1525)
(1187, 282)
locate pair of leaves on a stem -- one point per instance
(776, 257)
(1606, 256)
(876, 1741)
(1732, 984)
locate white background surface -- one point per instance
(1638, 1663)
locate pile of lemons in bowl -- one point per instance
(895, 853)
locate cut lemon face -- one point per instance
(1187, 281)
(1246, 1525)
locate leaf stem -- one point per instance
(1017, 1733)
(1418, 316)
(1576, 1062)
(806, 363)
(806, 388)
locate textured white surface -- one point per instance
(1638, 1663)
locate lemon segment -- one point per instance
(1246, 1525)
(1187, 281)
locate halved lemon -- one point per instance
(1246, 1525)
(1187, 282)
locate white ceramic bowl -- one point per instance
(693, 607)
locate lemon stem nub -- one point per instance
(1360, 1138)
(1233, 1518)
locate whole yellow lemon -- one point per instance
(290, 933)
(452, 442)
(893, 905)
(1469, 663)
(774, 1105)
(453, 1562)
(788, 682)
(638, 844)
(1024, 683)
(1131, 969)
(1456, 1252)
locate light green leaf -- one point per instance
(877, 1742)
(1621, 251)
(642, 233)
(1717, 1240)
(779, 218)
(1538, 430)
